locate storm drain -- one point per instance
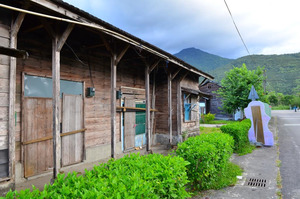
(254, 182)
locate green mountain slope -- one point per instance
(282, 71)
(202, 60)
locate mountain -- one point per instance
(282, 71)
(202, 60)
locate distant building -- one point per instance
(213, 103)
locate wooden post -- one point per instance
(113, 103)
(56, 106)
(12, 95)
(115, 59)
(147, 87)
(57, 44)
(179, 104)
(170, 105)
(179, 108)
(153, 105)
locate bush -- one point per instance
(208, 155)
(207, 118)
(134, 176)
(239, 132)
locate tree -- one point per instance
(236, 86)
(273, 99)
(287, 100)
(296, 89)
(296, 101)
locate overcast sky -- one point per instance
(267, 26)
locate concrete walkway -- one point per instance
(260, 164)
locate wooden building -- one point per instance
(213, 103)
(87, 90)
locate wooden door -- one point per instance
(129, 124)
(37, 136)
(72, 120)
(257, 124)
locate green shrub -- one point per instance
(134, 176)
(239, 132)
(208, 155)
(207, 118)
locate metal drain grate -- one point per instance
(254, 182)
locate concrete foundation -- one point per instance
(5, 187)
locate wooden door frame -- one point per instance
(22, 131)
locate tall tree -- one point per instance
(236, 86)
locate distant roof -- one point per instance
(210, 81)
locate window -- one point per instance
(187, 107)
(36, 86)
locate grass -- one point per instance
(209, 129)
(228, 177)
(281, 107)
(248, 148)
(218, 122)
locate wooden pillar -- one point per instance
(56, 106)
(12, 94)
(179, 104)
(115, 59)
(113, 103)
(57, 44)
(179, 108)
(147, 88)
(170, 105)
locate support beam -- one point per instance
(179, 104)
(13, 52)
(147, 89)
(115, 59)
(122, 53)
(12, 95)
(203, 81)
(57, 44)
(64, 36)
(176, 73)
(170, 105)
(113, 103)
(153, 106)
(56, 106)
(179, 108)
(154, 66)
(106, 44)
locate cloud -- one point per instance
(267, 27)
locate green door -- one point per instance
(140, 119)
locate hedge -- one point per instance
(208, 155)
(239, 132)
(134, 176)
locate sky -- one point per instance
(267, 26)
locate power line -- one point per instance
(236, 27)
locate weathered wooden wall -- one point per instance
(191, 126)
(97, 108)
(161, 104)
(215, 103)
(4, 101)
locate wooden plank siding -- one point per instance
(97, 109)
(191, 126)
(161, 104)
(4, 102)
